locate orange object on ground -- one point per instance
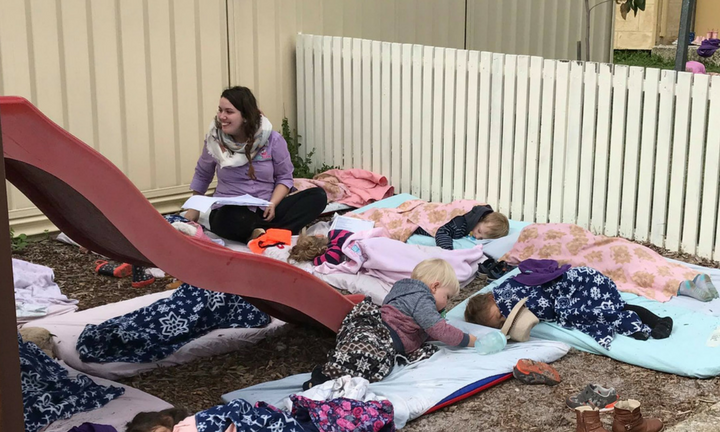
(272, 237)
(77, 188)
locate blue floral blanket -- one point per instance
(246, 418)
(158, 330)
(48, 392)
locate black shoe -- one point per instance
(494, 269)
(316, 378)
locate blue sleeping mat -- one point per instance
(692, 350)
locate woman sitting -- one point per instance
(250, 158)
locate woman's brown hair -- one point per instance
(244, 101)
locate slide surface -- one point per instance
(92, 201)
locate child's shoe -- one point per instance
(594, 395)
(628, 418)
(140, 278)
(494, 269)
(534, 372)
(317, 377)
(107, 269)
(588, 420)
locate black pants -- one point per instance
(293, 213)
(648, 318)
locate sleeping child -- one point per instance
(580, 297)
(371, 338)
(320, 249)
(481, 222)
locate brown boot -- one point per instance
(629, 419)
(588, 420)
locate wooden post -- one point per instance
(686, 14)
(11, 405)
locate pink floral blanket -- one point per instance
(354, 187)
(402, 221)
(634, 268)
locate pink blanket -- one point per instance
(374, 254)
(402, 221)
(634, 268)
(353, 187)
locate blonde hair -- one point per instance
(478, 308)
(497, 225)
(437, 270)
(308, 247)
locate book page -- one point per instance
(351, 224)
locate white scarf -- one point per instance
(228, 153)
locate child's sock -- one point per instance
(663, 328)
(704, 283)
(704, 292)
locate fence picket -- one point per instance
(357, 103)
(496, 104)
(572, 150)
(709, 222)
(366, 148)
(691, 216)
(632, 152)
(427, 123)
(604, 109)
(317, 127)
(417, 124)
(385, 128)
(406, 142)
(533, 138)
(308, 137)
(521, 119)
(448, 129)
(300, 84)
(679, 161)
(559, 143)
(377, 143)
(438, 124)
(507, 141)
(483, 157)
(662, 161)
(337, 102)
(647, 154)
(460, 149)
(347, 103)
(546, 142)
(471, 160)
(617, 140)
(395, 55)
(328, 117)
(587, 151)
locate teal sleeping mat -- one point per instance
(692, 350)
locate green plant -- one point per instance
(17, 243)
(627, 5)
(301, 164)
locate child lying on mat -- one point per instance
(580, 297)
(320, 249)
(481, 222)
(372, 337)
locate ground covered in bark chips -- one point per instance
(510, 406)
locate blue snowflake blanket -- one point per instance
(158, 330)
(582, 298)
(261, 418)
(48, 392)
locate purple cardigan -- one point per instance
(272, 167)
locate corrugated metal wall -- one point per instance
(545, 28)
(136, 79)
(139, 79)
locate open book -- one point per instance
(204, 203)
(350, 224)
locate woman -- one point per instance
(250, 158)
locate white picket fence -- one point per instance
(620, 150)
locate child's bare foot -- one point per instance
(257, 232)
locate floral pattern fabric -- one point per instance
(634, 268)
(158, 330)
(402, 221)
(582, 298)
(341, 415)
(48, 392)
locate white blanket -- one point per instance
(416, 388)
(36, 291)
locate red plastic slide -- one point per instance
(94, 203)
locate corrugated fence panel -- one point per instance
(137, 80)
(542, 140)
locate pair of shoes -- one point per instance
(594, 396)
(534, 372)
(317, 377)
(140, 278)
(107, 269)
(494, 269)
(628, 418)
